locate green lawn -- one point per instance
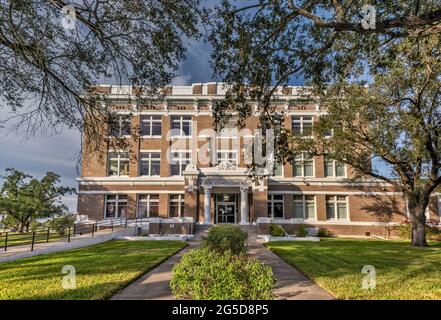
(101, 270)
(402, 271)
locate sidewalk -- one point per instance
(24, 251)
(154, 285)
(291, 284)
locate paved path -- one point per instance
(20, 252)
(154, 285)
(291, 284)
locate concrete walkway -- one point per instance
(20, 252)
(154, 285)
(291, 284)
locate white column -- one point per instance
(207, 205)
(244, 205)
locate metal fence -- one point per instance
(59, 233)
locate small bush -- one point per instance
(204, 274)
(276, 231)
(302, 231)
(226, 237)
(323, 232)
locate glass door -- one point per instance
(226, 210)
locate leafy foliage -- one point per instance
(226, 237)
(404, 231)
(323, 232)
(302, 231)
(50, 60)
(205, 274)
(276, 230)
(24, 199)
(261, 47)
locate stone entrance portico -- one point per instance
(207, 185)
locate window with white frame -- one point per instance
(303, 165)
(151, 125)
(178, 162)
(120, 125)
(278, 169)
(149, 163)
(334, 168)
(336, 207)
(275, 206)
(304, 207)
(176, 205)
(302, 125)
(116, 206)
(148, 205)
(181, 126)
(226, 156)
(118, 164)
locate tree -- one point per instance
(53, 52)
(24, 199)
(266, 44)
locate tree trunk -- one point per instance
(21, 227)
(418, 223)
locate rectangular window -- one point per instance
(118, 164)
(116, 206)
(226, 156)
(302, 125)
(303, 166)
(178, 162)
(304, 207)
(275, 206)
(151, 125)
(334, 168)
(149, 163)
(278, 170)
(181, 126)
(176, 205)
(336, 207)
(120, 126)
(148, 206)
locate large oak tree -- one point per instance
(53, 51)
(266, 44)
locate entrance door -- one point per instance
(226, 212)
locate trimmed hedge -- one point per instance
(226, 237)
(204, 274)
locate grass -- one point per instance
(402, 271)
(101, 270)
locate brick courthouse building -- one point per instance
(161, 174)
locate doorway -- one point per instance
(226, 206)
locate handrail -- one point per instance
(45, 234)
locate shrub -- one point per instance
(323, 232)
(405, 232)
(204, 274)
(302, 231)
(226, 237)
(276, 231)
